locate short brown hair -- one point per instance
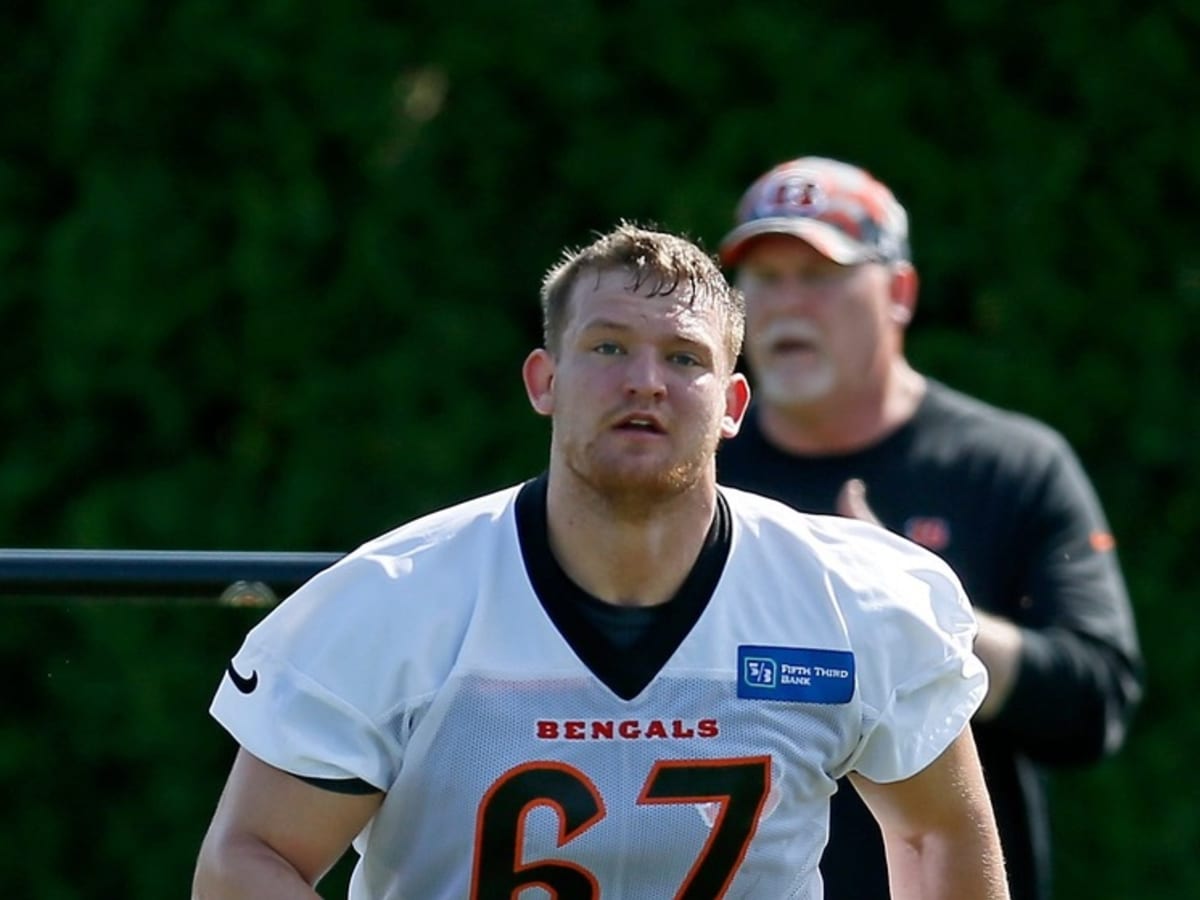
(662, 260)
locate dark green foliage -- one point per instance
(270, 269)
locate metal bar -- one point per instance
(239, 578)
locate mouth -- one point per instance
(640, 424)
(785, 346)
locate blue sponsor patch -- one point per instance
(795, 674)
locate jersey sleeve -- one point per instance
(1080, 674)
(302, 693)
(919, 680)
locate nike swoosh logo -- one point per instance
(243, 684)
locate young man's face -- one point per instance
(814, 327)
(640, 391)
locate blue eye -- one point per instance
(607, 348)
(684, 359)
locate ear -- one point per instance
(538, 375)
(737, 401)
(902, 292)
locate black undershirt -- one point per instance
(625, 647)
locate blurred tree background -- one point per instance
(268, 272)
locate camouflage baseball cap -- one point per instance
(841, 210)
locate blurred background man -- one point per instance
(842, 423)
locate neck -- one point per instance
(624, 555)
(846, 420)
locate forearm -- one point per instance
(939, 830)
(947, 866)
(248, 871)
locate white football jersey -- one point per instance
(427, 665)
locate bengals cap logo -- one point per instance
(791, 194)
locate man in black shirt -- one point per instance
(841, 423)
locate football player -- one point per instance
(615, 679)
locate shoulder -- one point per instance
(901, 607)
(861, 556)
(984, 424)
(453, 523)
(423, 553)
(420, 549)
(385, 600)
(1013, 450)
(349, 655)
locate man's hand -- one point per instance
(998, 644)
(852, 502)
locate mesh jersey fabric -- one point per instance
(425, 664)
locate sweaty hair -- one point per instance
(656, 261)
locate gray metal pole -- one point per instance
(238, 578)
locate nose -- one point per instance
(796, 292)
(644, 375)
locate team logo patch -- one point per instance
(928, 531)
(795, 674)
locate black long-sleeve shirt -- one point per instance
(1006, 502)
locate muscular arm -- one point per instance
(273, 836)
(938, 829)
